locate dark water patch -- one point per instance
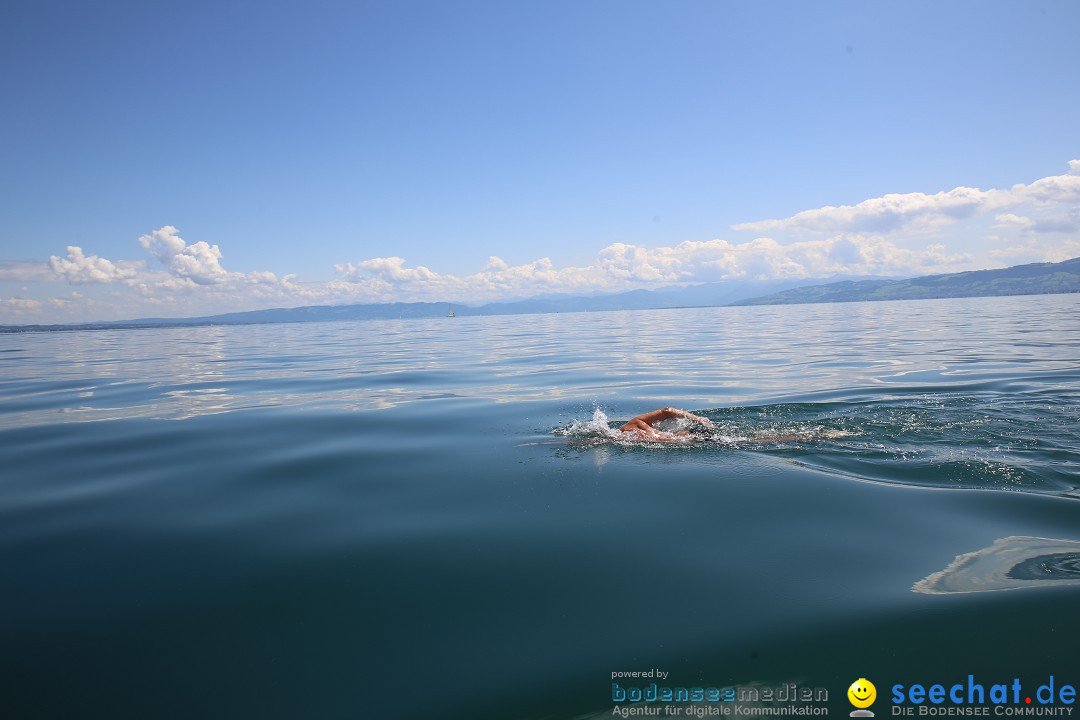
(1053, 567)
(368, 520)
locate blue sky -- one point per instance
(207, 157)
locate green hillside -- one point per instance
(1033, 279)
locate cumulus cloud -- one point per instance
(622, 266)
(1067, 223)
(198, 262)
(78, 268)
(1053, 189)
(1013, 220)
(190, 266)
(187, 278)
(1038, 221)
(196, 268)
(887, 213)
(919, 210)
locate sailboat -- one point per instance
(450, 310)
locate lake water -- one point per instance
(433, 518)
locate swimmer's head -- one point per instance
(695, 433)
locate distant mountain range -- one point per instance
(1038, 278)
(1033, 279)
(707, 295)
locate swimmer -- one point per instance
(642, 426)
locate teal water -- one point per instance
(434, 519)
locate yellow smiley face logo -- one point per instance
(862, 693)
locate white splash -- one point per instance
(598, 426)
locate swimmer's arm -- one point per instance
(650, 418)
(662, 414)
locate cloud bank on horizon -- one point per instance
(894, 235)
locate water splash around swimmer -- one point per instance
(938, 440)
(689, 430)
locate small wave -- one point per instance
(1003, 442)
(1011, 563)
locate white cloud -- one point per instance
(1011, 220)
(887, 213)
(78, 268)
(888, 236)
(20, 306)
(22, 271)
(1033, 249)
(199, 262)
(197, 266)
(189, 280)
(621, 267)
(917, 210)
(1067, 223)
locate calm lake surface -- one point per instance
(431, 519)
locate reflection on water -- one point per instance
(961, 393)
(1011, 563)
(700, 358)
(351, 519)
